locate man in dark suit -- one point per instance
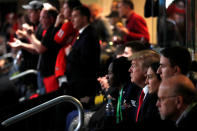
(84, 57)
(177, 101)
(146, 111)
(82, 64)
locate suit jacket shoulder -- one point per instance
(189, 120)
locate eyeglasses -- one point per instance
(161, 99)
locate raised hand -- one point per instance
(59, 20)
(104, 83)
(16, 45)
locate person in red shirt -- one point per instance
(65, 36)
(136, 28)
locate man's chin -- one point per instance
(162, 77)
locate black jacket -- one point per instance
(83, 63)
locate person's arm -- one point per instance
(122, 28)
(17, 45)
(65, 34)
(34, 46)
(141, 27)
(59, 20)
(37, 45)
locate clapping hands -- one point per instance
(16, 44)
(25, 32)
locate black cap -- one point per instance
(33, 5)
(113, 14)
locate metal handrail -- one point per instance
(22, 74)
(46, 105)
(7, 55)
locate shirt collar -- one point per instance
(145, 90)
(172, 21)
(82, 29)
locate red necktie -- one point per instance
(140, 104)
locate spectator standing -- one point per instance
(117, 36)
(33, 9)
(170, 22)
(114, 5)
(101, 26)
(28, 86)
(30, 60)
(84, 58)
(10, 26)
(65, 36)
(172, 31)
(136, 28)
(82, 63)
(47, 48)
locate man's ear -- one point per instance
(177, 69)
(179, 102)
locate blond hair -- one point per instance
(146, 56)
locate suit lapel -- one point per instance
(80, 36)
(144, 106)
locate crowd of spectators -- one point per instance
(65, 44)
